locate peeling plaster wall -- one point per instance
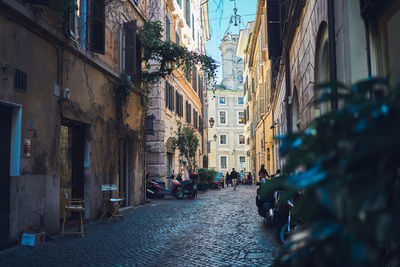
(35, 193)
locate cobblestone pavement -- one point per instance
(219, 228)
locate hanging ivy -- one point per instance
(165, 52)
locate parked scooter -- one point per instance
(287, 225)
(157, 188)
(267, 204)
(189, 187)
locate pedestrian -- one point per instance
(234, 176)
(263, 174)
(227, 179)
(250, 178)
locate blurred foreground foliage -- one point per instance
(347, 165)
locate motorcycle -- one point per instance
(157, 188)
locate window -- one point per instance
(222, 100)
(77, 22)
(20, 79)
(188, 112)
(179, 104)
(242, 159)
(222, 139)
(177, 39)
(241, 117)
(241, 139)
(222, 117)
(194, 79)
(223, 163)
(195, 118)
(169, 96)
(193, 27)
(167, 28)
(187, 12)
(240, 101)
(97, 26)
(130, 51)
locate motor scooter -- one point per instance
(189, 187)
(289, 225)
(267, 204)
(174, 190)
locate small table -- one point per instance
(112, 200)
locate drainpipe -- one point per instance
(332, 52)
(287, 76)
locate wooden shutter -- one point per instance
(180, 106)
(167, 28)
(97, 26)
(274, 39)
(166, 94)
(130, 48)
(187, 12)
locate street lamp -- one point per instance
(211, 121)
(215, 137)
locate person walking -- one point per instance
(234, 176)
(263, 174)
(227, 179)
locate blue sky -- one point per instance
(220, 12)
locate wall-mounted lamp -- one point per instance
(215, 137)
(211, 121)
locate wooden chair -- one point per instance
(112, 200)
(73, 205)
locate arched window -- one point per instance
(322, 66)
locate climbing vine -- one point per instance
(169, 56)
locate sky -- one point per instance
(220, 12)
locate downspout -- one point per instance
(332, 53)
(287, 79)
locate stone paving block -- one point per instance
(219, 228)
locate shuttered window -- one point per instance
(169, 96)
(179, 104)
(97, 26)
(167, 28)
(194, 79)
(132, 55)
(195, 118)
(274, 39)
(20, 79)
(187, 12)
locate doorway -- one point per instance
(72, 156)
(5, 146)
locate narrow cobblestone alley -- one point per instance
(219, 228)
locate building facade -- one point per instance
(307, 43)
(226, 140)
(178, 98)
(62, 127)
